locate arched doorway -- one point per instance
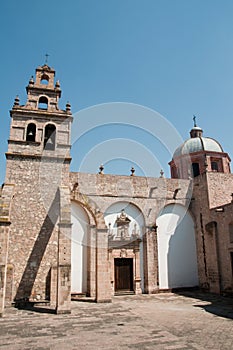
(80, 227)
(177, 257)
(125, 224)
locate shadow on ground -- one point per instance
(215, 304)
(34, 307)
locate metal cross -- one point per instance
(46, 58)
(194, 120)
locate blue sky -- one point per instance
(172, 56)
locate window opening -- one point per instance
(214, 166)
(50, 137)
(44, 79)
(195, 169)
(31, 132)
(43, 102)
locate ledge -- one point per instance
(4, 222)
(38, 156)
(19, 142)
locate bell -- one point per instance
(49, 142)
(30, 133)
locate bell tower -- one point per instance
(38, 160)
(40, 125)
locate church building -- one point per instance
(67, 235)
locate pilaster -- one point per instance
(103, 287)
(150, 260)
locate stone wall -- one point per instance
(33, 236)
(220, 187)
(213, 212)
(97, 192)
(149, 194)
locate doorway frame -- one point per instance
(127, 262)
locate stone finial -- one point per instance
(68, 107)
(132, 171)
(101, 169)
(161, 173)
(57, 86)
(31, 81)
(16, 102)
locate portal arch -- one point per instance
(126, 226)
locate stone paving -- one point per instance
(163, 321)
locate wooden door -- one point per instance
(123, 274)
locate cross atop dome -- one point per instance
(196, 131)
(194, 121)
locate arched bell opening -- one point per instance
(43, 103)
(50, 137)
(44, 79)
(31, 132)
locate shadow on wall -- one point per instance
(182, 256)
(33, 264)
(176, 248)
(79, 245)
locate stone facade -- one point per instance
(36, 233)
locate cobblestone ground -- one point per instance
(163, 321)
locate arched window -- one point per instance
(31, 132)
(214, 166)
(44, 79)
(43, 102)
(50, 137)
(195, 169)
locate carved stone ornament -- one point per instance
(123, 253)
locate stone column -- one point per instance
(91, 262)
(53, 287)
(103, 285)
(64, 254)
(137, 274)
(4, 234)
(64, 270)
(5, 207)
(150, 260)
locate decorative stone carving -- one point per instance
(123, 253)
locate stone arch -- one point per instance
(95, 215)
(43, 102)
(177, 257)
(50, 136)
(91, 215)
(44, 79)
(130, 209)
(31, 131)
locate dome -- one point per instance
(197, 143)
